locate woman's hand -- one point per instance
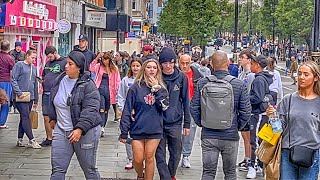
(152, 81)
(75, 135)
(270, 110)
(123, 140)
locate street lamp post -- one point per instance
(118, 29)
(236, 21)
(316, 25)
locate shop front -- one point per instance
(31, 22)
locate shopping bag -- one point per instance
(273, 168)
(265, 152)
(268, 135)
(34, 119)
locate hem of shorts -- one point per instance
(151, 136)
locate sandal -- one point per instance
(140, 178)
(4, 127)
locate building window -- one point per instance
(110, 4)
(134, 4)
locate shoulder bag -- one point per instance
(26, 94)
(299, 155)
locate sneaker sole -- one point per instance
(128, 168)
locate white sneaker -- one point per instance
(20, 143)
(33, 143)
(259, 171)
(185, 163)
(252, 174)
(129, 166)
(102, 131)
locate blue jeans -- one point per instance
(289, 171)
(104, 104)
(45, 103)
(25, 127)
(4, 108)
(86, 150)
(172, 137)
(187, 141)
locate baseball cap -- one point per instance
(83, 37)
(261, 60)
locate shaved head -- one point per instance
(185, 63)
(219, 60)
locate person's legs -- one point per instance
(313, 171)
(24, 109)
(247, 151)
(174, 147)
(45, 107)
(253, 137)
(149, 153)
(210, 156)
(187, 141)
(229, 153)
(138, 147)
(61, 153)
(4, 108)
(86, 152)
(102, 107)
(287, 169)
(161, 160)
(129, 155)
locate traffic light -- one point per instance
(121, 38)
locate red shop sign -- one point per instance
(31, 14)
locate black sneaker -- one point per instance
(244, 165)
(46, 142)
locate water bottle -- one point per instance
(274, 119)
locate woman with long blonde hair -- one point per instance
(107, 80)
(142, 117)
(301, 113)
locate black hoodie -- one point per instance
(259, 90)
(177, 85)
(90, 56)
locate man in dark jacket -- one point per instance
(258, 94)
(224, 141)
(147, 53)
(178, 112)
(17, 52)
(6, 65)
(193, 76)
(83, 48)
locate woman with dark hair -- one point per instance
(107, 80)
(25, 95)
(300, 113)
(74, 116)
(276, 87)
(126, 83)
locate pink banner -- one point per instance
(31, 14)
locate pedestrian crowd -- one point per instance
(160, 100)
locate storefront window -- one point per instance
(64, 44)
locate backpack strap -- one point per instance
(229, 78)
(212, 78)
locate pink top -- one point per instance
(114, 79)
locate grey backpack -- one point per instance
(217, 103)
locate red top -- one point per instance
(6, 65)
(190, 83)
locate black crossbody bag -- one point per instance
(299, 155)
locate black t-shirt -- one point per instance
(51, 71)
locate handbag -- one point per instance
(273, 167)
(299, 155)
(26, 95)
(266, 133)
(34, 119)
(265, 152)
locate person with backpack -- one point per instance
(177, 114)
(193, 77)
(260, 97)
(220, 118)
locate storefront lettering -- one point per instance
(30, 22)
(38, 23)
(95, 16)
(13, 20)
(32, 8)
(22, 21)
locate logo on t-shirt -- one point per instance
(149, 99)
(176, 88)
(54, 69)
